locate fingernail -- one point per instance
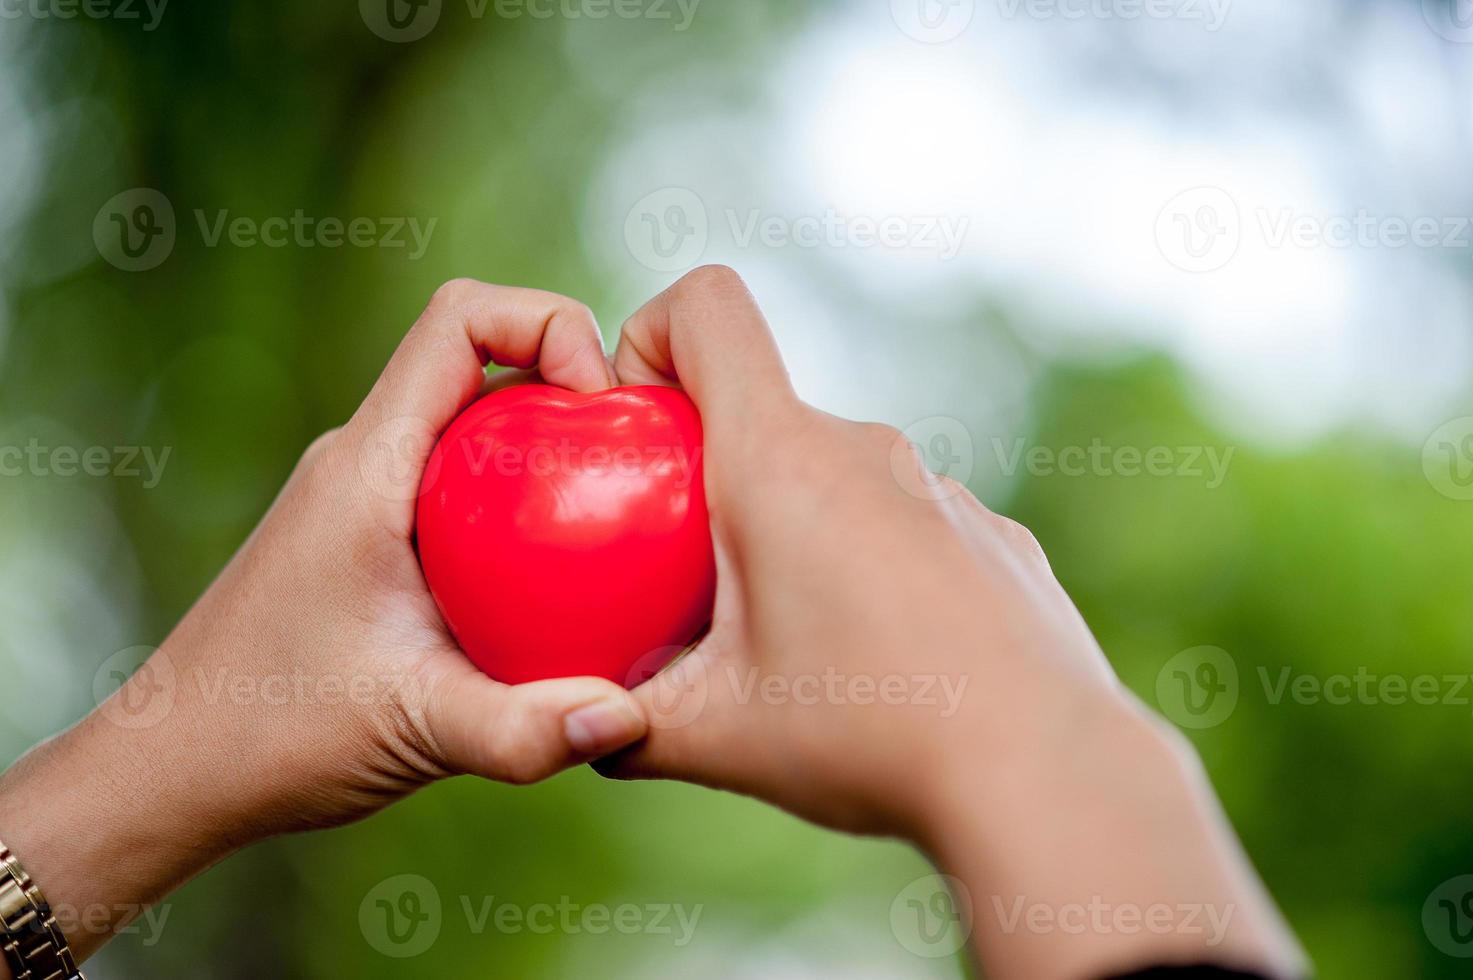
(601, 727)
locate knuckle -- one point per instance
(579, 311)
(949, 488)
(886, 437)
(1019, 537)
(313, 471)
(525, 770)
(580, 325)
(514, 752)
(319, 446)
(714, 278)
(453, 294)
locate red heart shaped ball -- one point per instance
(566, 534)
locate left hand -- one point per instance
(315, 681)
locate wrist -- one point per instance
(1102, 850)
(1091, 748)
(109, 819)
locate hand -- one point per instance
(887, 656)
(840, 556)
(315, 681)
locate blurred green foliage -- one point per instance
(1322, 560)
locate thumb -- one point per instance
(525, 734)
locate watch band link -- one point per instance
(31, 942)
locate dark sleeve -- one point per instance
(1189, 973)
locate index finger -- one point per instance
(707, 335)
(439, 367)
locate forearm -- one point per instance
(108, 821)
(1103, 854)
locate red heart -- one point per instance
(565, 534)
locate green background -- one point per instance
(1322, 557)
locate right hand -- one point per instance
(888, 656)
(870, 617)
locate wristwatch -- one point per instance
(30, 940)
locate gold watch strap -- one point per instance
(30, 940)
